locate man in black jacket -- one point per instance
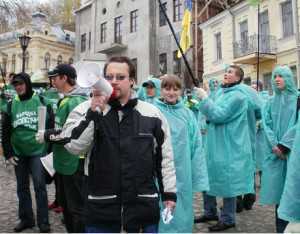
(130, 150)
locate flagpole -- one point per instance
(177, 43)
(258, 31)
(196, 38)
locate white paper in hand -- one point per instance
(166, 215)
(47, 162)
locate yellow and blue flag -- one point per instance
(185, 39)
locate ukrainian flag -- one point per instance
(185, 39)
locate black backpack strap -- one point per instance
(9, 106)
(50, 113)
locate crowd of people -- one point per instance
(133, 161)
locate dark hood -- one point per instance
(26, 79)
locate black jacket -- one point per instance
(130, 144)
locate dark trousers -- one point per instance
(33, 166)
(71, 190)
(117, 229)
(280, 223)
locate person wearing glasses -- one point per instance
(68, 167)
(130, 164)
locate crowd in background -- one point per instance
(132, 161)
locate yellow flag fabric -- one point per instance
(185, 39)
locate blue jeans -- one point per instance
(25, 167)
(227, 212)
(117, 228)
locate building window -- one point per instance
(294, 71)
(47, 61)
(287, 18)
(26, 60)
(134, 61)
(71, 60)
(103, 28)
(163, 63)
(67, 37)
(13, 63)
(244, 35)
(83, 42)
(90, 39)
(46, 32)
(118, 32)
(133, 21)
(162, 18)
(218, 46)
(177, 10)
(4, 64)
(59, 59)
(176, 63)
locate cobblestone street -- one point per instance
(259, 219)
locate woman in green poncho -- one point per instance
(279, 119)
(190, 164)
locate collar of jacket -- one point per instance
(116, 105)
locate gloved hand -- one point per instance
(13, 161)
(201, 93)
(292, 228)
(40, 136)
(52, 135)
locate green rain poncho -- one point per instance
(289, 208)
(254, 114)
(190, 164)
(279, 117)
(142, 94)
(261, 140)
(213, 89)
(229, 151)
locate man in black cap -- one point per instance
(68, 167)
(19, 126)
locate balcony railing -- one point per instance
(267, 45)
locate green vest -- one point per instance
(53, 97)
(64, 162)
(24, 120)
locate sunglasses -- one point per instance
(118, 77)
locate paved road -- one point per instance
(260, 219)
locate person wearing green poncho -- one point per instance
(229, 151)
(279, 120)
(69, 167)
(289, 208)
(19, 125)
(150, 90)
(190, 163)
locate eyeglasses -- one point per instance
(118, 77)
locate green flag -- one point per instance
(253, 2)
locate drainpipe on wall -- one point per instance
(297, 39)
(233, 29)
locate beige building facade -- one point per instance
(231, 37)
(49, 45)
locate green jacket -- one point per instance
(64, 162)
(23, 127)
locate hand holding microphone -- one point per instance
(90, 76)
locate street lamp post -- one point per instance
(24, 41)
